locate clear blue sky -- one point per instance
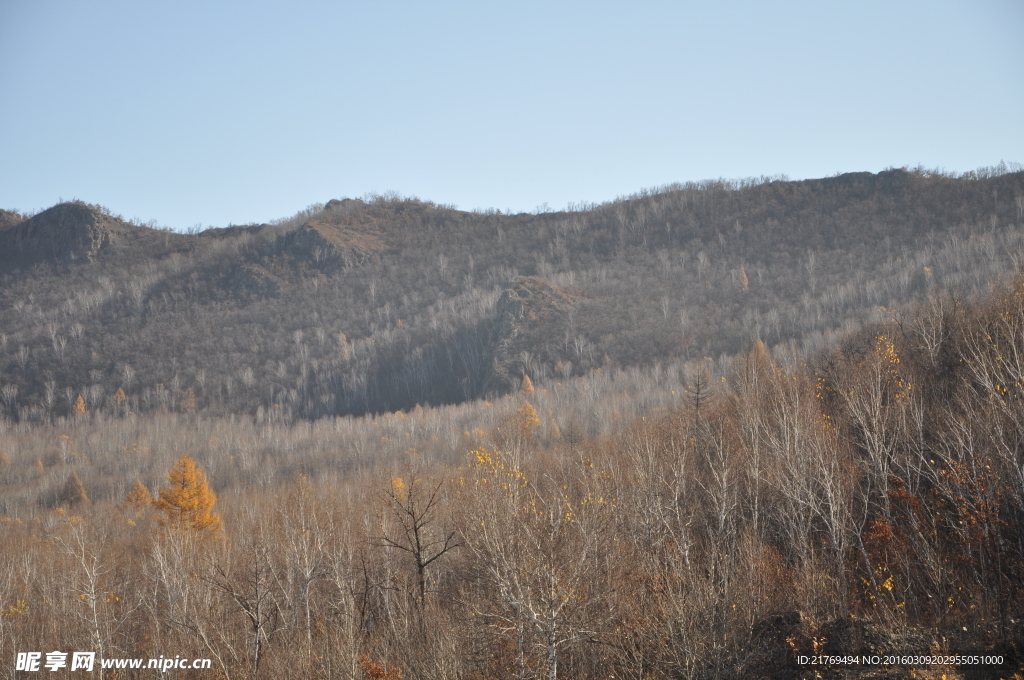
(216, 112)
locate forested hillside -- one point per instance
(695, 433)
(715, 520)
(381, 304)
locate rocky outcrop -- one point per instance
(344, 206)
(333, 240)
(68, 232)
(532, 317)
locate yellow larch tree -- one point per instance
(139, 498)
(73, 492)
(742, 282)
(120, 399)
(526, 417)
(187, 504)
(398, 487)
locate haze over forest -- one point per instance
(688, 433)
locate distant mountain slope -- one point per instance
(381, 304)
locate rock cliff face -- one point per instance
(532, 316)
(68, 232)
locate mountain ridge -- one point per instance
(374, 305)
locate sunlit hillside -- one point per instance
(700, 432)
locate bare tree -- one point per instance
(415, 507)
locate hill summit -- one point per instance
(68, 231)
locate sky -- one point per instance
(215, 113)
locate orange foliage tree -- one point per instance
(526, 417)
(139, 498)
(187, 504)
